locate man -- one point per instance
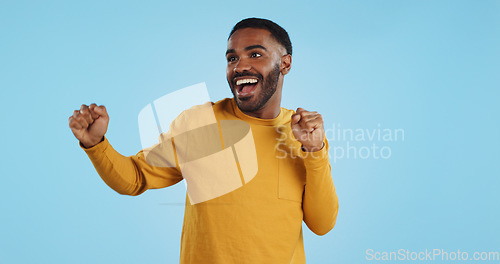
(260, 222)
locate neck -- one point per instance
(267, 112)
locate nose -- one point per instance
(241, 66)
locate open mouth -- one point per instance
(245, 87)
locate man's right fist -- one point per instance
(89, 124)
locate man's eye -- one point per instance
(231, 59)
(255, 55)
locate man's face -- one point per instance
(253, 68)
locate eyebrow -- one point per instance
(248, 48)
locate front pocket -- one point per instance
(292, 179)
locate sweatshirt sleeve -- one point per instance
(320, 202)
(131, 175)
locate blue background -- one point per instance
(428, 67)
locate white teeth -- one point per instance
(245, 81)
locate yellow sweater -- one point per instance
(260, 222)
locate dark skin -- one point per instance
(256, 52)
(251, 53)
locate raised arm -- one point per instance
(320, 203)
(126, 175)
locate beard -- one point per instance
(269, 86)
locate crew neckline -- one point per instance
(254, 120)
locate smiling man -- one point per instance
(248, 62)
(261, 221)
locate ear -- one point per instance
(286, 64)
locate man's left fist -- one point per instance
(307, 127)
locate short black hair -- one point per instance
(276, 30)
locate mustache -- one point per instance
(246, 74)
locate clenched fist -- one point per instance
(89, 124)
(307, 128)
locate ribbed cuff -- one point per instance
(315, 158)
(99, 147)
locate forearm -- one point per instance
(117, 171)
(320, 203)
